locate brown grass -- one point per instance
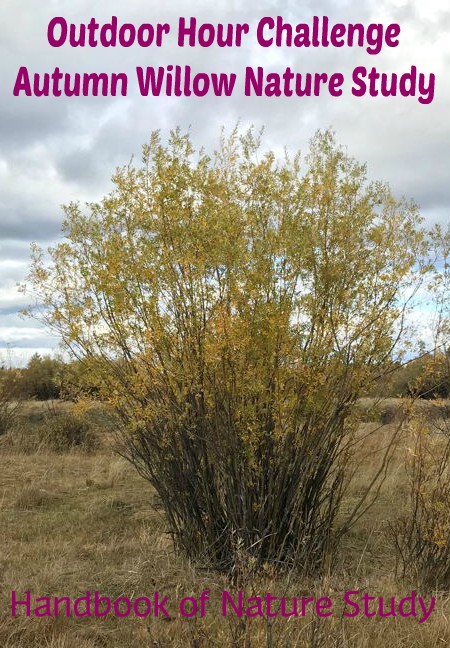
(75, 522)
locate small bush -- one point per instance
(9, 403)
(56, 432)
(384, 411)
(66, 431)
(7, 416)
(422, 536)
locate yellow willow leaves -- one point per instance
(235, 282)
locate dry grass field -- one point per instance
(74, 522)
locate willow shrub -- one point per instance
(232, 307)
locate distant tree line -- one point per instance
(46, 378)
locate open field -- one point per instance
(77, 522)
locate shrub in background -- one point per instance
(67, 431)
(422, 535)
(40, 379)
(56, 432)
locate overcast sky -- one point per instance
(55, 150)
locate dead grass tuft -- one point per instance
(30, 497)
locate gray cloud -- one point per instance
(54, 150)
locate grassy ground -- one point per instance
(75, 522)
